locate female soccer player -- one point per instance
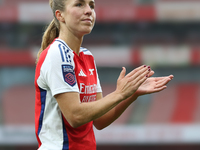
(69, 98)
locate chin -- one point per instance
(88, 32)
(85, 32)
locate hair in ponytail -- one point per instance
(52, 30)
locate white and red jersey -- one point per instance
(61, 70)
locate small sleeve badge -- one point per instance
(69, 75)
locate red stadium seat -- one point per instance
(19, 105)
(178, 104)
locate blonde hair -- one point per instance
(52, 31)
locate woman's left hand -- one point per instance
(153, 84)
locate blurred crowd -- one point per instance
(132, 32)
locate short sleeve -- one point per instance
(58, 70)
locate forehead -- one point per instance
(72, 2)
(83, 1)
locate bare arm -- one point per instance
(78, 113)
(113, 114)
(151, 85)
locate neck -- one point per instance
(74, 42)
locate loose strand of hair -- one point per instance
(50, 34)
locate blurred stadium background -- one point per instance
(162, 33)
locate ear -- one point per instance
(59, 16)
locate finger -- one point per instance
(163, 82)
(143, 67)
(170, 76)
(141, 78)
(140, 74)
(122, 74)
(151, 73)
(159, 89)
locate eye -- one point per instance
(79, 4)
(92, 6)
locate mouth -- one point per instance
(87, 20)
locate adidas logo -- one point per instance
(81, 73)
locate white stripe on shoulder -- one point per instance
(85, 51)
(63, 43)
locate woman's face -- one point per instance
(79, 16)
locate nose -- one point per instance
(88, 10)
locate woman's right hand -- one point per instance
(128, 84)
